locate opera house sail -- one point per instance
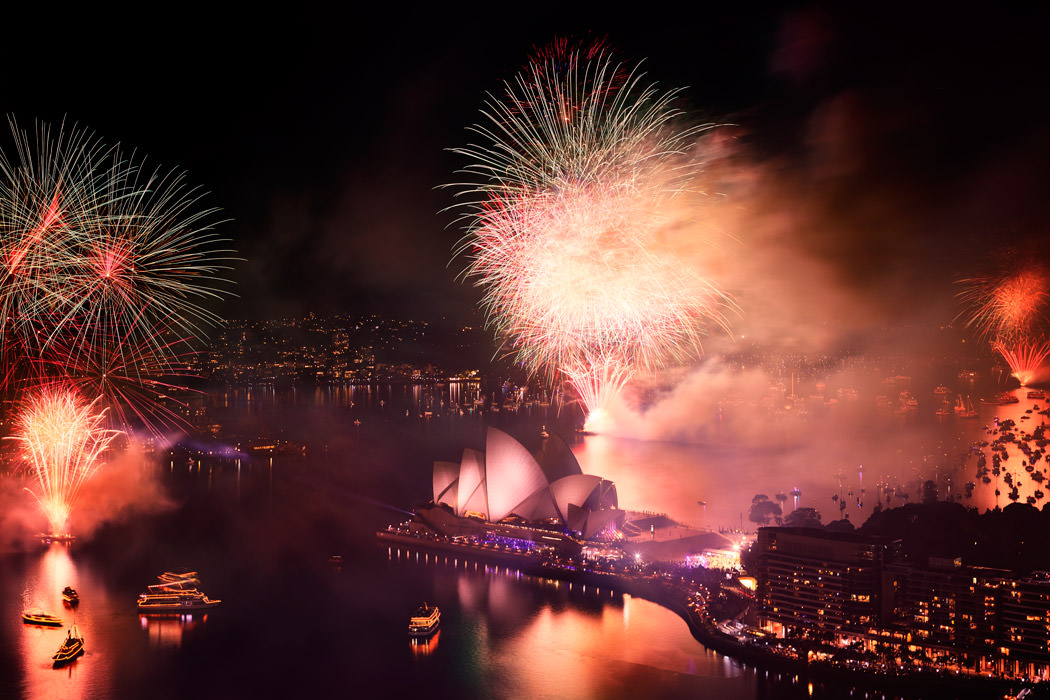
(507, 481)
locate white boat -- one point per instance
(175, 602)
(425, 622)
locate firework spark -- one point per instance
(63, 440)
(106, 266)
(1009, 311)
(1024, 357)
(1006, 306)
(582, 229)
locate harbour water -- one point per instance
(261, 530)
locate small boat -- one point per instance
(70, 596)
(70, 649)
(425, 622)
(36, 617)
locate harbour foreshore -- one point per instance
(690, 601)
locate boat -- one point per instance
(1002, 399)
(1036, 394)
(70, 649)
(37, 617)
(70, 596)
(425, 622)
(175, 602)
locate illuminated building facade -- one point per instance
(846, 587)
(1025, 626)
(813, 581)
(950, 606)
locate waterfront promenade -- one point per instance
(712, 611)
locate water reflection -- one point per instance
(43, 589)
(529, 636)
(168, 630)
(424, 647)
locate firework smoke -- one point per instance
(583, 224)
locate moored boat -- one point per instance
(70, 649)
(37, 617)
(1002, 399)
(425, 621)
(175, 602)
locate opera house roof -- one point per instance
(507, 480)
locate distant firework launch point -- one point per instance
(106, 265)
(583, 225)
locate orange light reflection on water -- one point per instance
(425, 647)
(169, 630)
(596, 649)
(43, 589)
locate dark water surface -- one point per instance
(261, 531)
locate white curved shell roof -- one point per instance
(574, 490)
(507, 480)
(446, 475)
(472, 490)
(512, 473)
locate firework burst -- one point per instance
(1009, 311)
(1025, 358)
(583, 227)
(1006, 306)
(106, 264)
(63, 441)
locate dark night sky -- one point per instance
(323, 137)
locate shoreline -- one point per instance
(675, 595)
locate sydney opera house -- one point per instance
(508, 484)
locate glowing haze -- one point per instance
(584, 232)
(63, 439)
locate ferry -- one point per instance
(70, 596)
(1036, 394)
(175, 602)
(425, 622)
(35, 617)
(70, 649)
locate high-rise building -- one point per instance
(828, 583)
